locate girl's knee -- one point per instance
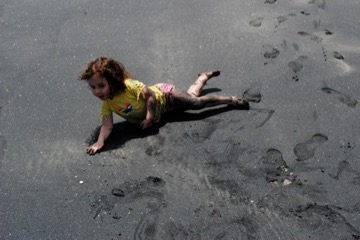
(197, 103)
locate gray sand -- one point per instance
(286, 169)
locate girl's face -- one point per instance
(99, 87)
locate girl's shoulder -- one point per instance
(132, 83)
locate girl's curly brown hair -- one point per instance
(113, 71)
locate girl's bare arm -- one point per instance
(106, 128)
(150, 100)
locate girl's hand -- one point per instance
(105, 130)
(146, 123)
(94, 148)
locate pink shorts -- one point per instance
(167, 88)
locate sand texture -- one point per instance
(288, 168)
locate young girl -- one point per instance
(140, 104)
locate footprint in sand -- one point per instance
(153, 151)
(305, 13)
(338, 56)
(296, 47)
(270, 1)
(312, 36)
(319, 3)
(346, 99)
(253, 94)
(316, 23)
(271, 52)
(276, 168)
(328, 32)
(306, 150)
(284, 45)
(128, 193)
(297, 65)
(281, 19)
(257, 22)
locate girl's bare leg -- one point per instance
(191, 99)
(184, 101)
(197, 86)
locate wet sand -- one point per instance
(288, 168)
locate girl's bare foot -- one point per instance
(208, 75)
(196, 88)
(239, 103)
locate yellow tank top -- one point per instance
(130, 103)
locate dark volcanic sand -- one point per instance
(286, 169)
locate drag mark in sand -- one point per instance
(321, 216)
(317, 23)
(346, 99)
(3, 144)
(200, 135)
(229, 189)
(270, 112)
(149, 191)
(306, 150)
(147, 228)
(176, 230)
(249, 222)
(228, 157)
(244, 226)
(344, 166)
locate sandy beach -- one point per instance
(288, 168)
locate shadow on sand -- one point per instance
(125, 131)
